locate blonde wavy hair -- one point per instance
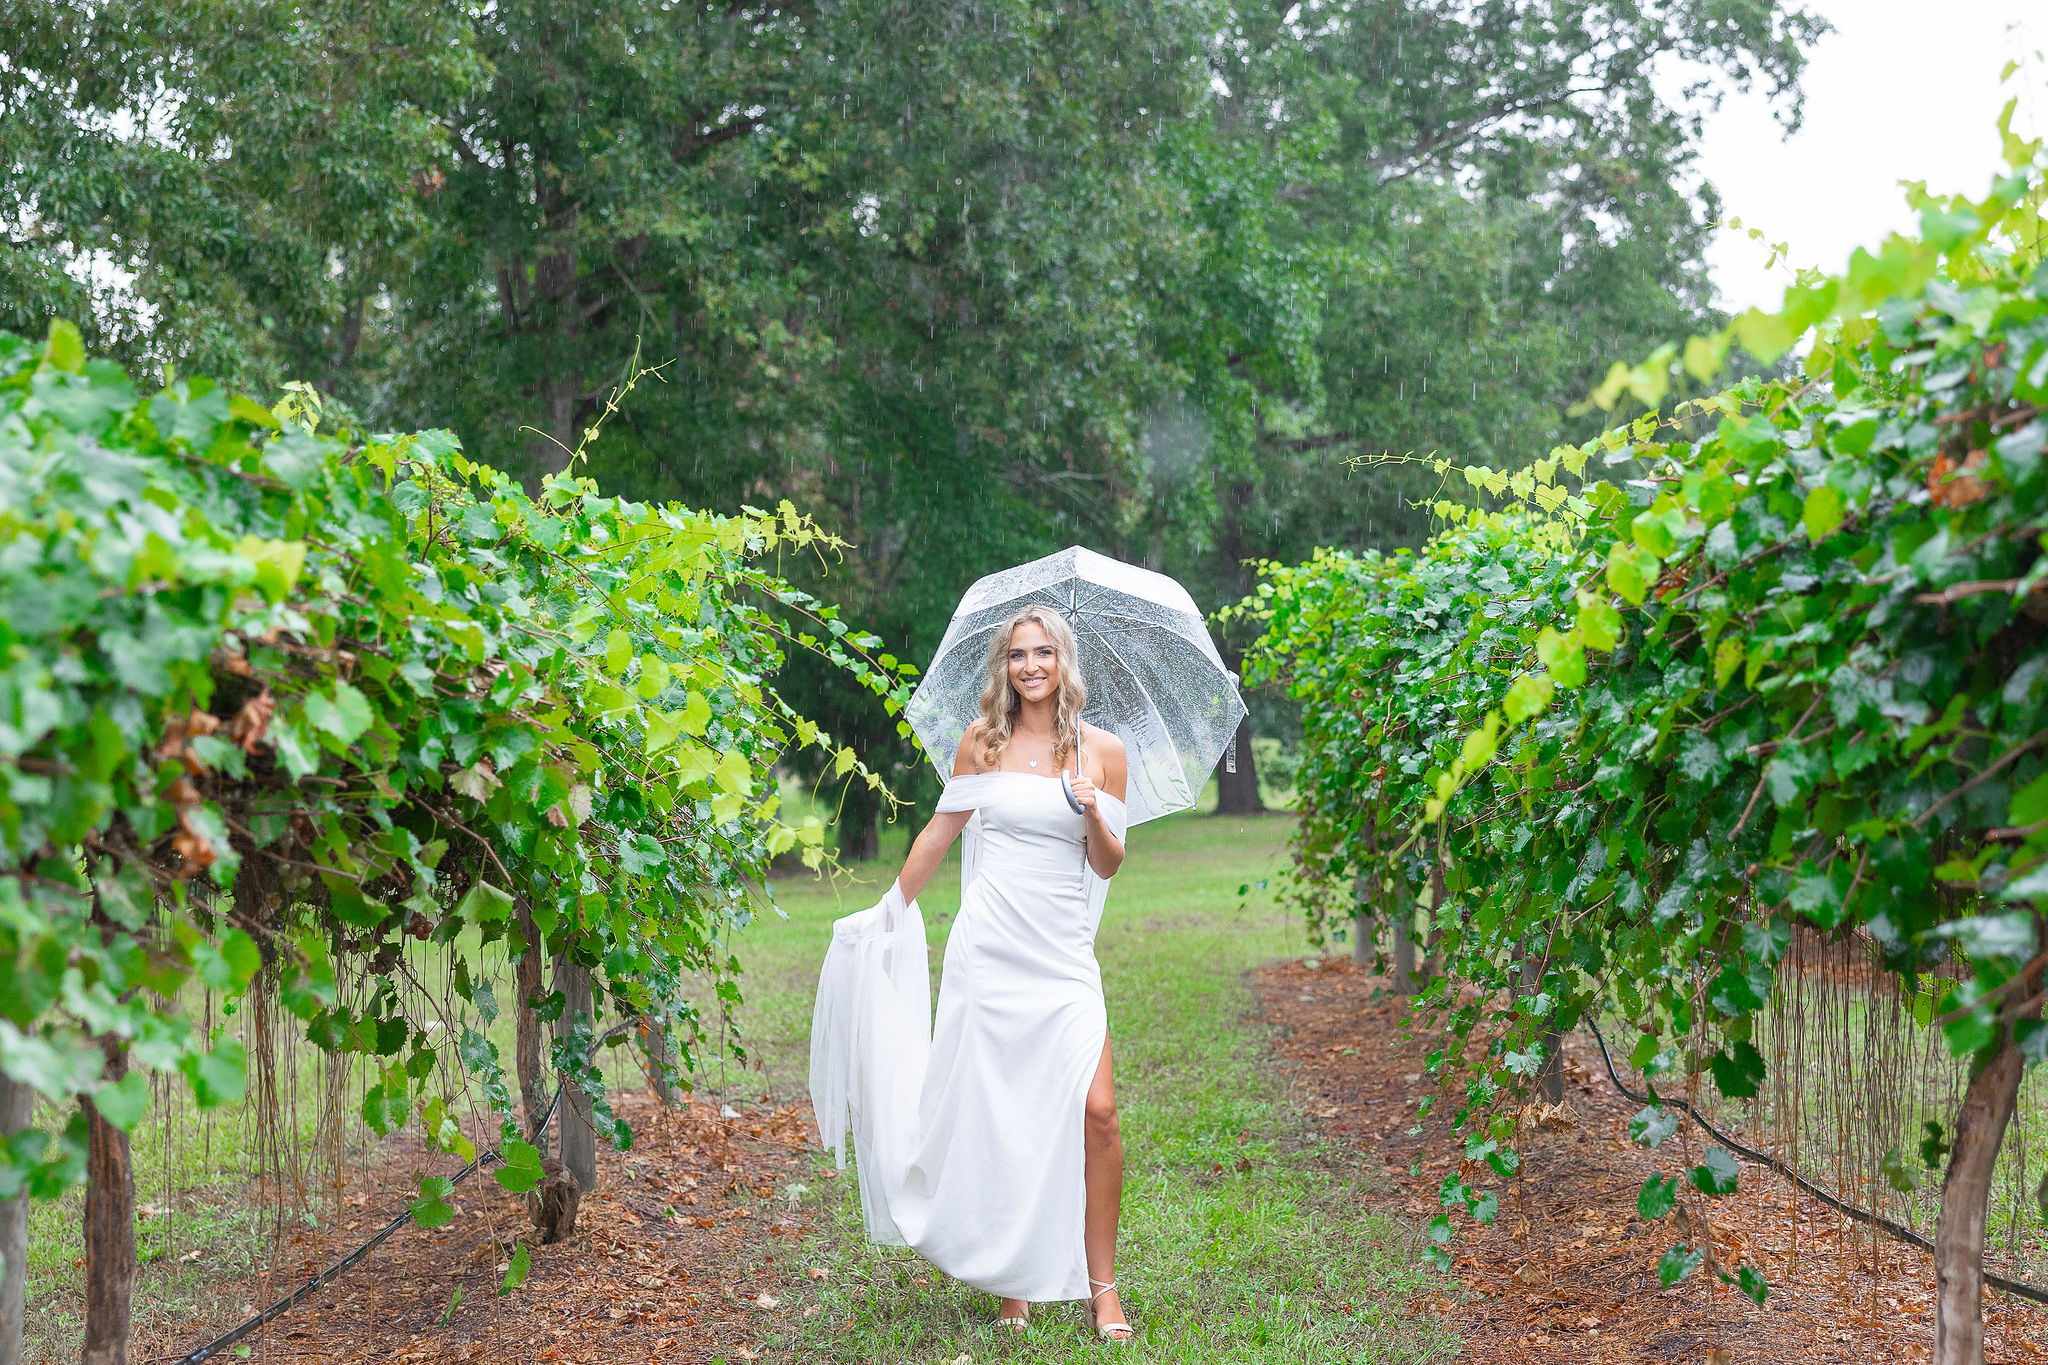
(1000, 703)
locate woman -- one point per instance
(996, 1154)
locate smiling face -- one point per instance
(1034, 663)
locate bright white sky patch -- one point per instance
(1902, 90)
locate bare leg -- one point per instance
(1105, 1182)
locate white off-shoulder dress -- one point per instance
(968, 1136)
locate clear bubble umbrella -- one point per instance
(1154, 677)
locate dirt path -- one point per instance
(671, 1260)
(1567, 1273)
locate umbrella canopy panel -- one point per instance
(1154, 677)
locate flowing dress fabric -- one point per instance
(970, 1146)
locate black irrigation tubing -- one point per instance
(384, 1234)
(2017, 1288)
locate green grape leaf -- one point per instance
(1717, 1174)
(432, 1210)
(522, 1169)
(1750, 1283)
(1738, 1070)
(1600, 625)
(1677, 1263)
(1822, 513)
(1659, 1194)
(345, 715)
(522, 1263)
(1898, 1173)
(1653, 1125)
(123, 1102)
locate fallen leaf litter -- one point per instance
(1566, 1274)
(671, 1260)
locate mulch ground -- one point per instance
(671, 1259)
(1568, 1272)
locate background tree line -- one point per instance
(967, 280)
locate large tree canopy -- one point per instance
(969, 281)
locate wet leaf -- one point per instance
(1677, 1263)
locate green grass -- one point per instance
(1276, 1261)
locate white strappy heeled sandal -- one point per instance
(1111, 1333)
(1017, 1324)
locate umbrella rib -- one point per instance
(1103, 614)
(1089, 591)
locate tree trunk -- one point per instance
(17, 1109)
(1959, 1232)
(561, 395)
(109, 1230)
(533, 1096)
(1237, 793)
(579, 1134)
(557, 318)
(351, 331)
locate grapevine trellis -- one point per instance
(278, 703)
(1764, 662)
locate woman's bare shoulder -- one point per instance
(1104, 742)
(1107, 766)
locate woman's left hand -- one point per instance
(1084, 791)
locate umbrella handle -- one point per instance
(1067, 787)
(1067, 784)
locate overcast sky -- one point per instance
(1902, 90)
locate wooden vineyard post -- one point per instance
(656, 1033)
(109, 1229)
(528, 1047)
(1550, 1076)
(1408, 977)
(1432, 961)
(1404, 950)
(17, 1108)
(579, 1136)
(1362, 922)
